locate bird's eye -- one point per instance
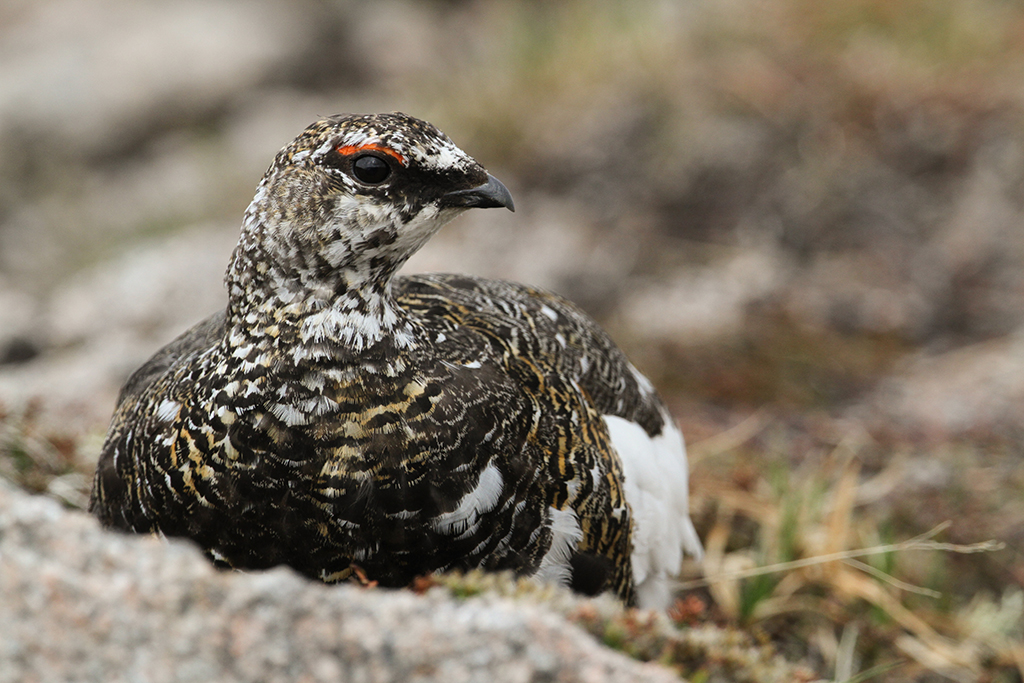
(370, 169)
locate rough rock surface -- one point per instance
(84, 604)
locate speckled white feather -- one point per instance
(566, 535)
(482, 498)
(657, 490)
(168, 410)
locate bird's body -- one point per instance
(336, 416)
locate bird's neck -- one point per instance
(310, 311)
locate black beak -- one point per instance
(490, 195)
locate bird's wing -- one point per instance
(200, 336)
(138, 415)
(571, 354)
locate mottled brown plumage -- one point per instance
(335, 416)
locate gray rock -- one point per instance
(975, 387)
(115, 64)
(84, 604)
(108, 320)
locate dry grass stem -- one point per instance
(922, 542)
(892, 580)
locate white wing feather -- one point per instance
(657, 490)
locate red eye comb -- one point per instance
(347, 150)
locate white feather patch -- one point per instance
(168, 410)
(566, 534)
(288, 414)
(483, 498)
(657, 490)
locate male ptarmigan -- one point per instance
(336, 416)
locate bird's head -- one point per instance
(355, 195)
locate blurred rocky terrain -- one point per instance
(737, 189)
(782, 208)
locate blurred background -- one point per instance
(801, 218)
